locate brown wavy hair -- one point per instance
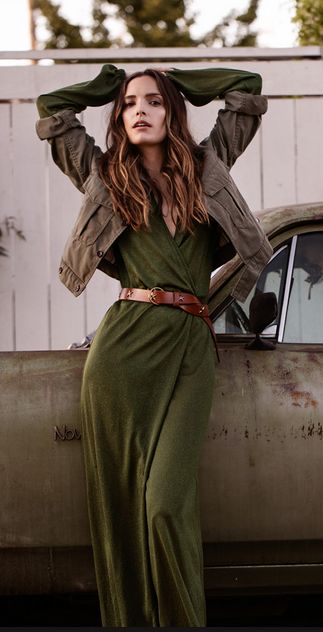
(123, 173)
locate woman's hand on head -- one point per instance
(163, 70)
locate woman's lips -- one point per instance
(141, 124)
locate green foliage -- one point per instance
(9, 224)
(309, 18)
(152, 23)
(245, 35)
(149, 23)
(235, 29)
(63, 34)
(100, 36)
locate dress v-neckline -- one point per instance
(159, 214)
(168, 230)
(172, 237)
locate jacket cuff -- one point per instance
(56, 124)
(245, 103)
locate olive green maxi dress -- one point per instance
(146, 400)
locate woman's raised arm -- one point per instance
(202, 85)
(98, 91)
(73, 150)
(238, 122)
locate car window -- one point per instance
(305, 306)
(235, 318)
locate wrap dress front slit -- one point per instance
(146, 399)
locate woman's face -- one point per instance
(144, 114)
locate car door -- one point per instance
(261, 469)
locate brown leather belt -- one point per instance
(182, 300)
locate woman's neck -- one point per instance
(153, 162)
(153, 158)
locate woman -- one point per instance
(159, 213)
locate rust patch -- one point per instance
(299, 398)
(217, 433)
(307, 431)
(313, 358)
(289, 387)
(310, 429)
(282, 372)
(303, 398)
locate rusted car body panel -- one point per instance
(260, 480)
(44, 532)
(260, 476)
(43, 500)
(261, 470)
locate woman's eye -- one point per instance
(154, 102)
(128, 104)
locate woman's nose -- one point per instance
(140, 110)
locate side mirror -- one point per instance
(263, 310)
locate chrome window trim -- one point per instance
(289, 275)
(271, 330)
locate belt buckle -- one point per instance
(152, 294)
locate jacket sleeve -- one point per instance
(72, 149)
(236, 125)
(202, 85)
(239, 120)
(99, 91)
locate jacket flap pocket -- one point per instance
(215, 175)
(214, 183)
(92, 221)
(96, 190)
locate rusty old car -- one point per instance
(261, 483)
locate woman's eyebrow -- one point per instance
(149, 94)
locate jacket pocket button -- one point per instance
(100, 253)
(77, 288)
(60, 269)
